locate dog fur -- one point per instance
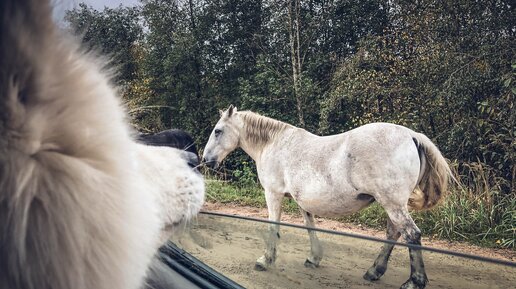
(178, 189)
(75, 212)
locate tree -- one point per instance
(112, 31)
(438, 68)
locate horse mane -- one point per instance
(259, 129)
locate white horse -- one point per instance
(338, 175)
(76, 211)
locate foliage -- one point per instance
(229, 192)
(113, 32)
(430, 72)
(219, 191)
(246, 176)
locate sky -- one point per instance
(99, 4)
(60, 6)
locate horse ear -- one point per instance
(231, 110)
(221, 112)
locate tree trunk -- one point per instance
(196, 58)
(294, 27)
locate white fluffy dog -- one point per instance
(75, 211)
(178, 188)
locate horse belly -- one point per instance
(331, 204)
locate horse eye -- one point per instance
(218, 132)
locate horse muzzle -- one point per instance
(211, 163)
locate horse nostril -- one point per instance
(212, 164)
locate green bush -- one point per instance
(245, 176)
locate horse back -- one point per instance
(346, 160)
(340, 174)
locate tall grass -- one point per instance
(474, 210)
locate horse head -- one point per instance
(224, 138)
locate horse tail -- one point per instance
(433, 175)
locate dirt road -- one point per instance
(232, 246)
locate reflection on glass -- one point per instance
(231, 246)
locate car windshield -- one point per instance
(231, 245)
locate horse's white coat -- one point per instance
(337, 175)
(325, 174)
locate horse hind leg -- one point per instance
(274, 208)
(316, 251)
(380, 264)
(412, 235)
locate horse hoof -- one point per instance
(371, 275)
(415, 283)
(310, 264)
(374, 273)
(259, 267)
(262, 264)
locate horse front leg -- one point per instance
(316, 251)
(380, 264)
(274, 208)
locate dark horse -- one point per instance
(175, 138)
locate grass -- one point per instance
(247, 195)
(226, 192)
(487, 219)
